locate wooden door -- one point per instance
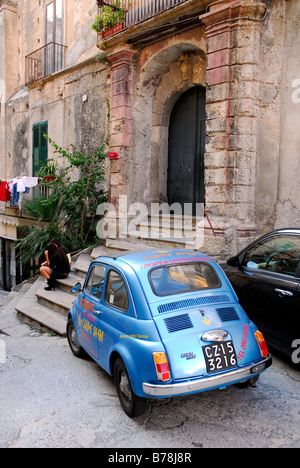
(186, 149)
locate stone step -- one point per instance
(56, 300)
(35, 314)
(153, 240)
(82, 264)
(98, 251)
(8, 322)
(156, 241)
(122, 245)
(67, 284)
(49, 309)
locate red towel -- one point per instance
(3, 190)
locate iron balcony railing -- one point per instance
(44, 62)
(115, 15)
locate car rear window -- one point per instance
(183, 278)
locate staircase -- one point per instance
(48, 310)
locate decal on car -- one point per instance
(89, 327)
(244, 342)
(86, 305)
(189, 355)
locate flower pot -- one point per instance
(113, 30)
(49, 178)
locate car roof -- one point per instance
(294, 230)
(146, 259)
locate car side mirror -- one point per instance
(76, 287)
(234, 262)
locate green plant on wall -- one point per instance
(110, 15)
(69, 210)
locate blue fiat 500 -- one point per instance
(164, 323)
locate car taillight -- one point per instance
(263, 348)
(161, 367)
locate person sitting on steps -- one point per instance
(57, 242)
(55, 267)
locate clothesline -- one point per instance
(12, 190)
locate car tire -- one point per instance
(132, 404)
(76, 349)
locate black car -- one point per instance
(266, 279)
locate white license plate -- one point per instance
(219, 356)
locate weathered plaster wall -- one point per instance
(75, 106)
(78, 37)
(268, 102)
(8, 67)
(73, 102)
(288, 203)
(278, 137)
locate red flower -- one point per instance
(113, 155)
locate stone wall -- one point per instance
(74, 101)
(75, 106)
(245, 55)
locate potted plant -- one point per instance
(110, 20)
(48, 171)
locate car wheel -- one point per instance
(132, 404)
(76, 349)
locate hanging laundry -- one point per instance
(12, 190)
(3, 190)
(30, 181)
(8, 193)
(15, 195)
(20, 186)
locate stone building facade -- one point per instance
(245, 55)
(70, 100)
(219, 80)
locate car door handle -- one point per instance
(282, 293)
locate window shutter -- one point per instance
(43, 143)
(39, 146)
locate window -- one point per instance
(39, 146)
(94, 285)
(116, 292)
(54, 52)
(279, 254)
(183, 278)
(54, 22)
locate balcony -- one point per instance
(117, 15)
(44, 62)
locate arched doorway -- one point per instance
(186, 149)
